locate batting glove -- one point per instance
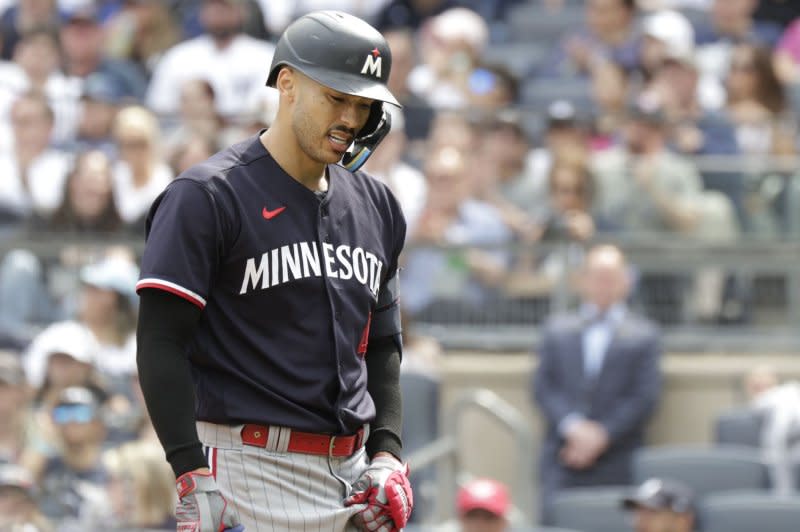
(201, 507)
(386, 491)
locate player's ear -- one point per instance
(287, 83)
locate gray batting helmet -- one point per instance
(339, 51)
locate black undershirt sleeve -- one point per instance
(166, 323)
(383, 384)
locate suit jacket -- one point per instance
(621, 397)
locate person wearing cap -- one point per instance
(230, 60)
(73, 481)
(82, 43)
(483, 506)
(565, 134)
(661, 505)
(268, 343)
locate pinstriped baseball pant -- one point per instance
(273, 490)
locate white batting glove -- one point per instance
(386, 491)
(201, 507)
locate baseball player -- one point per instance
(269, 332)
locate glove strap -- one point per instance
(193, 482)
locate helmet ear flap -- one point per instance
(374, 131)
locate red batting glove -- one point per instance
(386, 491)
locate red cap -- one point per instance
(483, 494)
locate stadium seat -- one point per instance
(540, 93)
(597, 509)
(749, 512)
(529, 23)
(741, 426)
(704, 469)
(522, 59)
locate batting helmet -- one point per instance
(339, 51)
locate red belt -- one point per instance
(307, 442)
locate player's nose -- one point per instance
(353, 116)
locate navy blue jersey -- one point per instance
(289, 284)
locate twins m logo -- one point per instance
(372, 63)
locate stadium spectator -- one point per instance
(141, 172)
(87, 206)
(191, 151)
(278, 15)
(410, 14)
(756, 100)
(453, 42)
(691, 103)
(453, 217)
(141, 32)
(483, 505)
(33, 173)
(37, 67)
(15, 412)
(223, 55)
(107, 307)
(141, 486)
(60, 357)
(661, 504)
(451, 129)
(418, 114)
(779, 405)
(23, 16)
(100, 103)
(565, 133)
(491, 88)
(82, 47)
(405, 181)
(731, 23)
(597, 382)
(73, 482)
(787, 54)
(641, 184)
(610, 88)
(18, 505)
(198, 116)
(608, 33)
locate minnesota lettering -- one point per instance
(303, 259)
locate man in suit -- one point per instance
(597, 383)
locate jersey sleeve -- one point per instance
(385, 319)
(181, 251)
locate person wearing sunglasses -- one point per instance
(73, 481)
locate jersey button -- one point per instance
(337, 315)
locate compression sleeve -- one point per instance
(166, 322)
(383, 384)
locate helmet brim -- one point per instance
(351, 84)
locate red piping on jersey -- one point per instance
(171, 290)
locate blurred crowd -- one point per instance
(529, 129)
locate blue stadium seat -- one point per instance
(741, 426)
(529, 23)
(704, 469)
(522, 59)
(597, 509)
(539, 93)
(749, 512)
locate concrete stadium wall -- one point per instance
(697, 387)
